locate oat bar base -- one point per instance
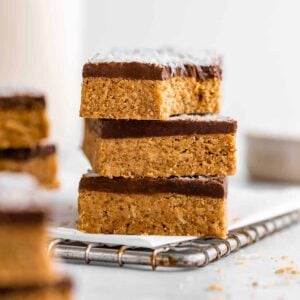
(121, 98)
(23, 254)
(164, 156)
(43, 168)
(152, 214)
(22, 127)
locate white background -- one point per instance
(44, 44)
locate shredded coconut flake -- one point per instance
(165, 57)
(200, 117)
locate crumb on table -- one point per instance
(215, 287)
(288, 270)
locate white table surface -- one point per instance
(235, 274)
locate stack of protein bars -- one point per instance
(26, 270)
(23, 126)
(159, 154)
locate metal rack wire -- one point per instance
(189, 254)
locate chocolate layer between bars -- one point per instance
(144, 71)
(18, 98)
(8, 215)
(177, 125)
(62, 283)
(27, 153)
(215, 187)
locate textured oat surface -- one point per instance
(155, 214)
(22, 127)
(187, 155)
(120, 98)
(23, 254)
(44, 169)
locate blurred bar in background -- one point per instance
(42, 49)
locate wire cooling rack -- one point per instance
(188, 254)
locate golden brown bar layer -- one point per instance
(23, 120)
(147, 84)
(60, 289)
(162, 206)
(24, 258)
(181, 146)
(39, 161)
(120, 98)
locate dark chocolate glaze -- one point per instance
(8, 215)
(145, 71)
(111, 128)
(63, 283)
(22, 101)
(215, 187)
(27, 153)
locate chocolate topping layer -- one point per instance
(215, 187)
(147, 71)
(63, 283)
(27, 153)
(111, 128)
(9, 215)
(21, 100)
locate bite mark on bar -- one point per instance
(109, 128)
(215, 187)
(147, 71)
(27, 153)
